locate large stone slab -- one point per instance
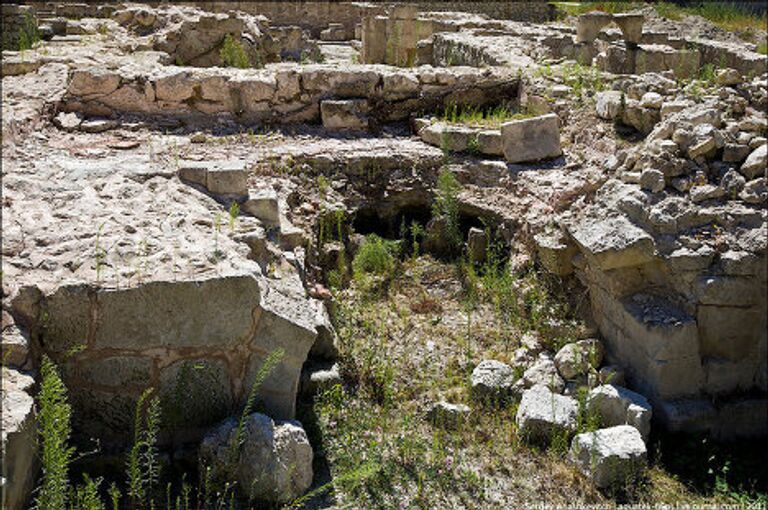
(531, 139)
(613, 242)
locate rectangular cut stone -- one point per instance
(345, 114)
(263, 204)
(614, 242)
(227, 178)
(731, 333)
(531, 139)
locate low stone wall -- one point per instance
(198, 343)
(283, 93)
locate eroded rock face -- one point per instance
(273, 462)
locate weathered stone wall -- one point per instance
(284, 93)
(534, 12)
(199, 343)
(688, 324)
(313, 16)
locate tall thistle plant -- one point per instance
(143, 467)
(54, 428)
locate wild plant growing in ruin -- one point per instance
(446, 206)
(233, 54)
(143, 467)
(271, 361)
(234, 212)
(54, 427)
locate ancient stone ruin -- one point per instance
(190, 190)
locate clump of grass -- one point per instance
(492, 117)
(583, 79)
(234, 212)
(233, 54)
(376, 256)
(29, 35)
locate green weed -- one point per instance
(232, 54)
(55, 414)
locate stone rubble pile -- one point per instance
(550, 406)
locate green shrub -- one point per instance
(29, 34)
(54, 428)
(233, 54)
(375, 256)
(446, 206)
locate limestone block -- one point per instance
(543, 414)
(255, 90)
(756, 164)
(544, 372)
(93, 81)
(613, 242)
(345, 114)
(15, 346)
(631, 26)
(491, 381)
(274, 463)
(660, 345)
(176, 88)
(263, 204)
(531, 139)
(686, 415)
(619, 406)
(589, 25)
(730, 332)
(727, 291)
(227, 178)
(577, 358)
(147, 316)
(194, 172)
(608, 104)
(450, 137)
(755, 191)
(115, 371)
(400, 85)
(477, 244)
(614, 456)
(489, 142)
(555, 253)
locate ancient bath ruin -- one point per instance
(379, 255)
